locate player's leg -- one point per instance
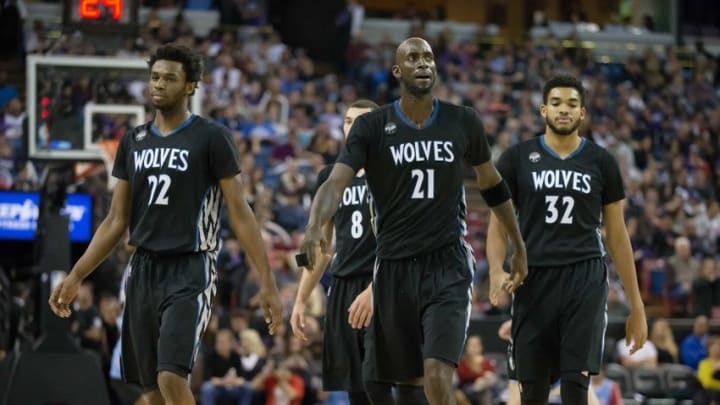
(446, 291)
(190, 285)
(359, 398)
(582, 328)
(534, 351)
(154, 397)
(535, 392)
(379, 393)
(411, 394)
(439, 381)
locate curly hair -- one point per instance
(191, 62)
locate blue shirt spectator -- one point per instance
(692, 349)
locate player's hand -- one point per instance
(313, 245)
(63, 295)
(297, 320)
(518, 270)
(270, 302)
(361, 310)
(505, 330)
(498, 279)
(636, 330)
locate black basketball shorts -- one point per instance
(559, 320)
(167, 309)
(343, 348)
(421, 310)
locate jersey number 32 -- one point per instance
(555, 204)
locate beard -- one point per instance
(563, 131)
(418, 91)
(167, 104)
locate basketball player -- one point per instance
(565, 187)
(414, 153)
(349, 305)
(173, 173)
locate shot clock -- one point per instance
(109, 17)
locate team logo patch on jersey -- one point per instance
(390, 128)
(534, 157)
(140, 135)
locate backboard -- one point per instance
(74, 102)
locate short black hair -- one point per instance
(364, 103)
(191, 62)
(564, 81)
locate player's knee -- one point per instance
(574, 388)
(534, 392)
(172, 384)
(438, 377)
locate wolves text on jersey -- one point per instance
(420, 151)
(172, 158)
(561, 179)
(354, 195)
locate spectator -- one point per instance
(281, 385)
(607, 390)
(647, 356)
(662, 337)
(87, 324)
(476, 373)
(692, 349)
(682, 269)
(7, 90)
(709, 370)
(706, 288)
(222, 379)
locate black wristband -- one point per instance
(301, 259)
(496, 194)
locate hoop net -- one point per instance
(108, 150)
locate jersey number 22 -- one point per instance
(159, 184)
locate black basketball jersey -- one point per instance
(416, 175)
(354, 239)
(560, 201)
(174, 184)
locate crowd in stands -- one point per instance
(658, 113)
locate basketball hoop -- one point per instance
(108, 150)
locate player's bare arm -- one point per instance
(107, 236)
(308, 281)
(488, 178)
(247, 232)
(620, 249)
(324, 207)
(496, 251)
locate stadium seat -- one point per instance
(649, 382)
(622, 377)
(680, 381)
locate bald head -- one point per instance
(414, 43)
(415, 67)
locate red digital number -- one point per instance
(90, 9)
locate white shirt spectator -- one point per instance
(647, 355)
